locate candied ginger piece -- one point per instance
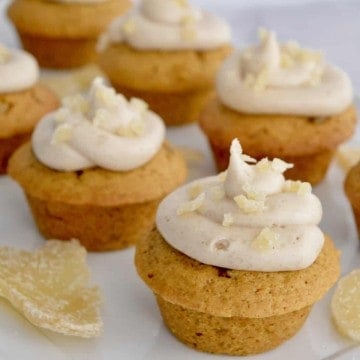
(266, 240)
(249, 205)
(345, 305)
(50, 287)
(228, 219)
(192, 205)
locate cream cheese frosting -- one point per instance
(248, 218)
(101, 129)
(273, 78)
(167, 25)
(18, 70)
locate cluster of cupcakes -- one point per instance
(236, 261)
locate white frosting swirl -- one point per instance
(167, 25)
(253, 220)
(102, 129)
(282, 79)
(18, 70)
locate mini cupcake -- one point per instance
(63, 33)
(166, 52)
(284, 101)
(96, 170)
(352, 190)
(238, 260)
(23, 100)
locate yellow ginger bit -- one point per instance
(101, 118)
(5, 54)
(61, 115)
(182, 3)
(286, 61)
(139, 105)
(222, 176)
(191, 205)
(124, 131)
(266, 240)
(107, 96)
(188, 32)
(252, 193)
(280, 166)
(263, 34)
(195, 190)
(228, 219)
(137, 126)
(62, 134)
(292, 48)
(261, 80)
(305, 55)
(188, 20)
(263, 165)
(249, 205)
(305, 188)
(217, 193)
(129, 26)
(299, 187)
(51, 287)
(76, 103)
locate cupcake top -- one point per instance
(248, 218)
(274, 78)
(167, 25)
(18, 70)
(101, 129)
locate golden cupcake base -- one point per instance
(230, 335)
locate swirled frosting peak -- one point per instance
(101, 129)
(247, 218)
(274, 78)
(167, 25)
(18, 70)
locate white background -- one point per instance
(133, 327)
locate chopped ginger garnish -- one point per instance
(249, 205)
(50, 287)
(297, 186)
(266, 240)
(191, 205)
(228, 219)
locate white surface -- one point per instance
(133, 327)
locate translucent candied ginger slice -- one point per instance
(345, 305)
(50, 287)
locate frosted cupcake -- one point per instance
(96, 170)
(166, 52)
(284, 101)
(23, 100)
(238, 260)
(63, 33)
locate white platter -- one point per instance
(133, 328)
